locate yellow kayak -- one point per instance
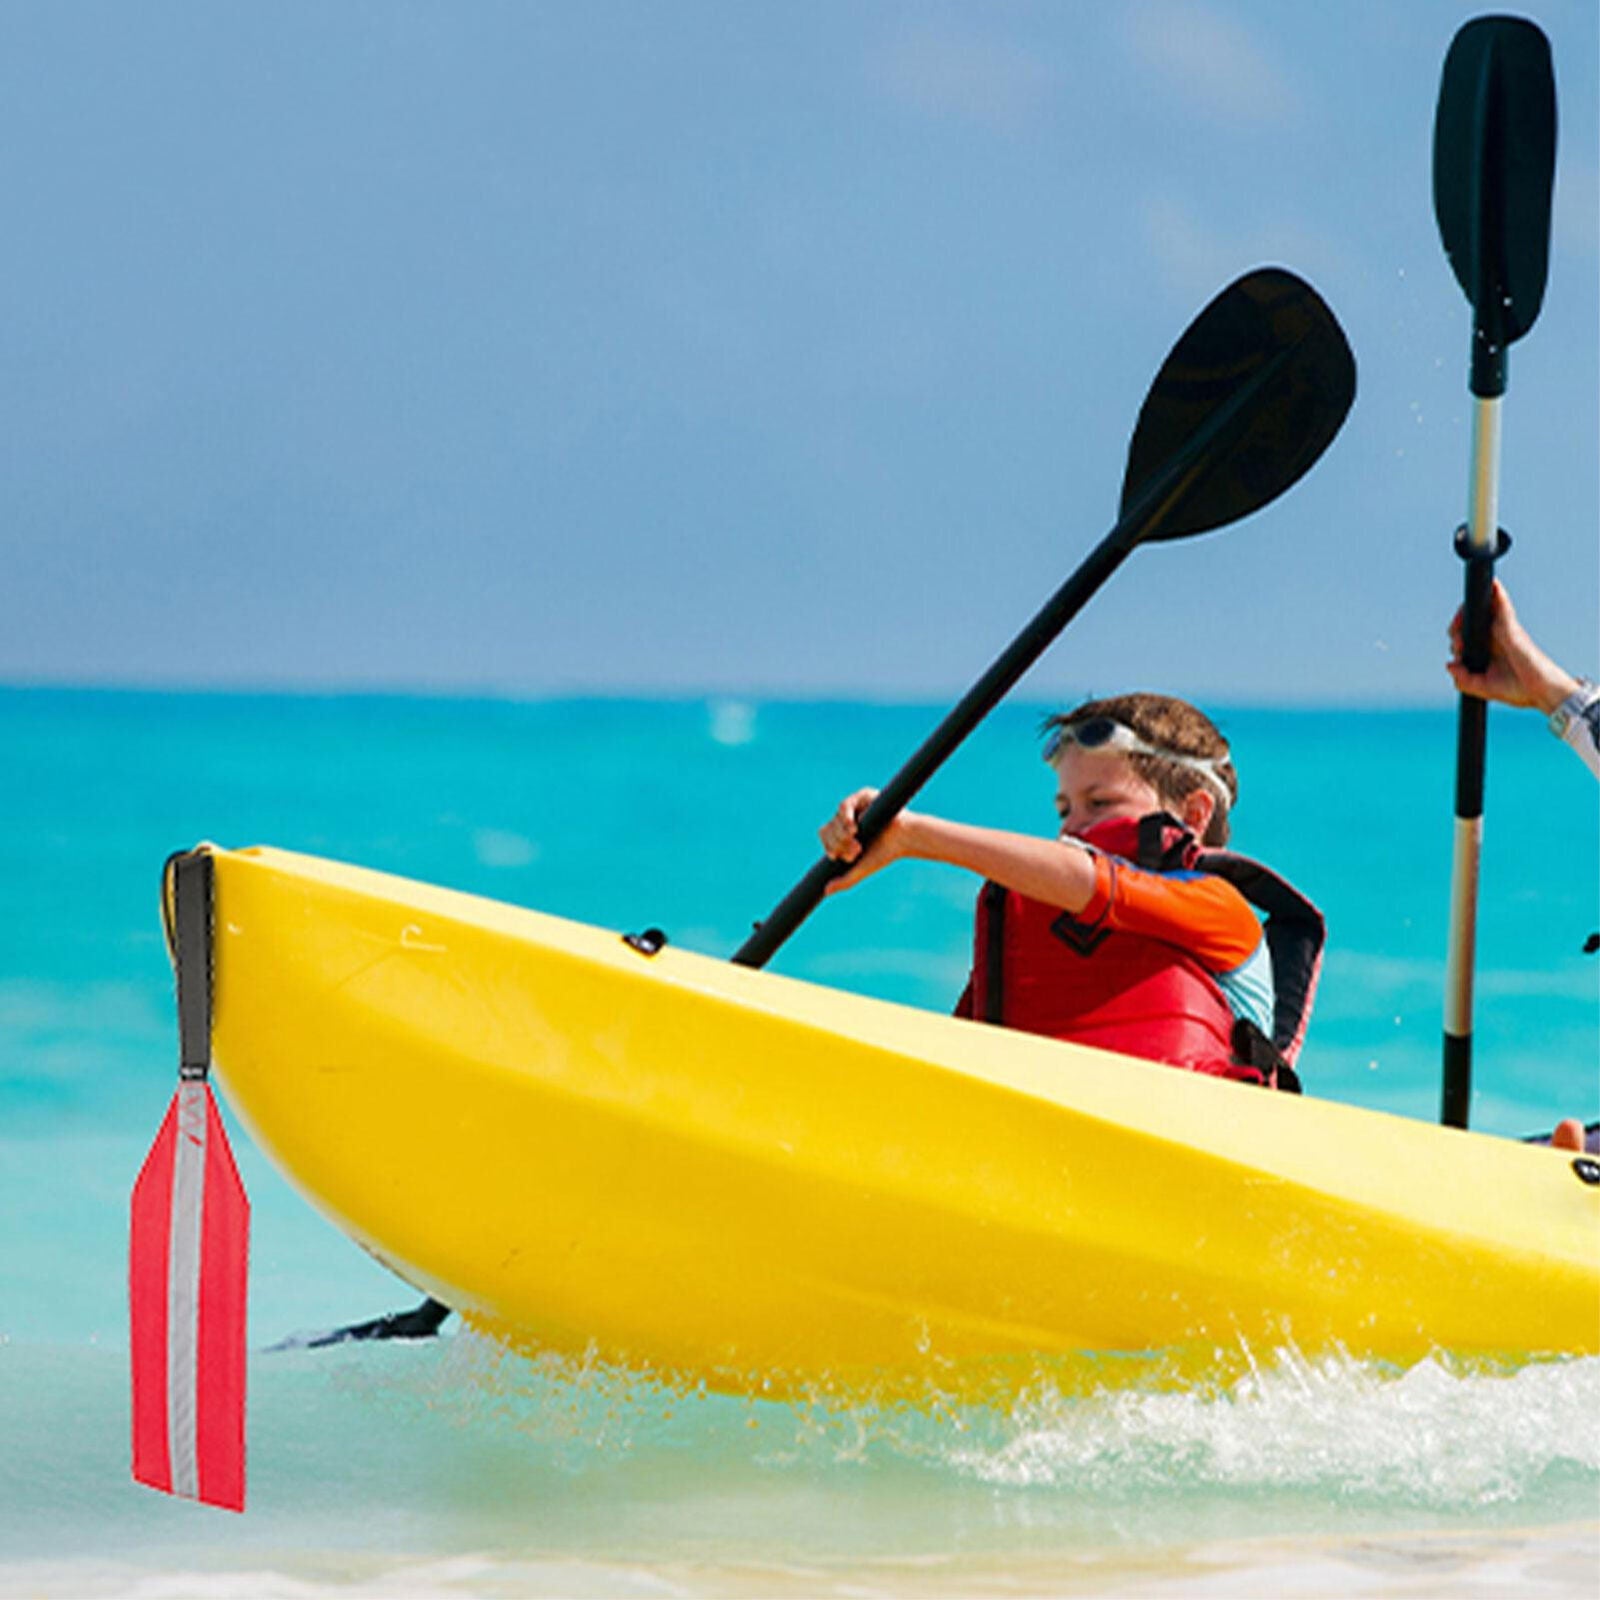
(740, 1179)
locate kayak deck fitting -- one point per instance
(736, 1178)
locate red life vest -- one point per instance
(1038, 969)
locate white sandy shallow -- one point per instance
(1554, 1562)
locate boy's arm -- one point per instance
(1201, 913)
(1058, 871)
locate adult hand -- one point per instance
(1519, 672)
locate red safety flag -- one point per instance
(188, 1257)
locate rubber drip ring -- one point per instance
(1467, 553)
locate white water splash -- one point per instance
(1429, 1437)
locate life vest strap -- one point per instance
(1295, 934)
(1252, 1048)
(992, 1001)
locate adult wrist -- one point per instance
(1555, 687)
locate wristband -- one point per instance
(1572, 707)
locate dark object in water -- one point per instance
(423, 1322)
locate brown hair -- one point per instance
(1175, 725)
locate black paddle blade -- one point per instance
(1494, 161)
(1251, 395)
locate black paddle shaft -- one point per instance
(1151, 508)
(1275, 406)
(1472, 724)
(937, 748)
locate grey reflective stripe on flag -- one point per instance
(183, 1288)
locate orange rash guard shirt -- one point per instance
(1202, 914)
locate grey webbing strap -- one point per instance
(192, 876)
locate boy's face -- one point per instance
(1094, 785)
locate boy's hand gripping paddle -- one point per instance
(1249, 398)
(1494, 152)
(189, 1246)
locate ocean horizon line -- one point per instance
(498, 694)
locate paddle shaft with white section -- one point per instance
(1494, 147)
(1479, 543)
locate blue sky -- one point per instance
(770, 348)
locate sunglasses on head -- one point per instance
(1106, 733)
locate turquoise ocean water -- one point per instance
(451, 1468)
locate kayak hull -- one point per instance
(763, 1185)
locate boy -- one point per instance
(1126, 931)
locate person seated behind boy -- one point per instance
(1133, 930)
